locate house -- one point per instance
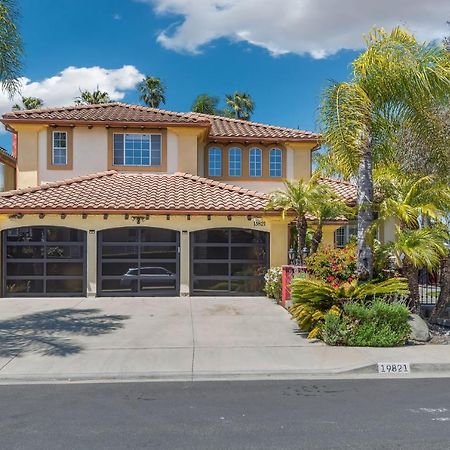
(7, 171)
(118, 199)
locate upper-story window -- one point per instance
(136, 149)
(255, 162)
(59, 148)
(215, 162)
(275, 162)
(235, 162)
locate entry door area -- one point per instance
(44, 262)
(229, 261)
(138, 261)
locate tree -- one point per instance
(240, 106)
(92, 97)
(11, 49)
(396, 82)
(29, 103)
(152, 91)
(302, 198)
(418, 205)
(206, 104)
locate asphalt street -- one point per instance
(278, 415)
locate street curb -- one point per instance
(370, 371)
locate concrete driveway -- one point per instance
(144, 337)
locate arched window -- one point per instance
(235, 162)
(215, 162)
(275, 162)
(255, 162)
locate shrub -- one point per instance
(313, 299)
(334, 265)
(273, 283)
(379, 324)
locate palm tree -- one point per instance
(329, 207)
(418, 206)
(206, 104)
(152, 91)
(302, 198)
(396, 82)
(29, 103)
(240, 105)
(95, 97)
(11, 50)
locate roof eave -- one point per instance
(213, 138)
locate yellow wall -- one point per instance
(277, 228)
(27, 155)
(302, 159)
(328, 235)
(187, 148)
(9, 177)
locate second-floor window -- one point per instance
(59, 148)
(215, 162)
(136, 149)
(275, 162)
(255, 162)
(235, 162)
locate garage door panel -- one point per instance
(235, 265)
(44, 261)
(143, 268)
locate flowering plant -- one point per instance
(273, 283)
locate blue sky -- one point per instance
(192, 50)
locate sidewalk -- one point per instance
(129, 339)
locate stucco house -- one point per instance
(119, 199)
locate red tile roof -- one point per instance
(345, 190)
(113, 192)
(7, 159)
(125, 114)
(110, 192)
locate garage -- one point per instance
(44, 261)
(138, 261)
(229, 261)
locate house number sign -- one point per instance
(393, 368)
(258, 222)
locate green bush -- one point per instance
(273, 283)
(333, 265)
(378, 324)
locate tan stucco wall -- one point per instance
(278, 235)
(8, 177)
(27, 155)
(328, 235)
(187, 148)
(302, 159)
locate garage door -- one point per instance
(138, 262)
(44, 261)
(229, 261)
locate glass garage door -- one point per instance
(44, 262)
(229, 261)
(138, 262)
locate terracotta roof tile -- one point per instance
(111, 191)
(122, 113)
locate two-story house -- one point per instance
(118, 199)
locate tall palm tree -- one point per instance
(395, 82)
(418, 206)
(302, 198)
(240, 105)
(206, 104)
(152, 91)
(11, 49)
(95, 97)
(29, 103)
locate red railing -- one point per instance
(287, 274)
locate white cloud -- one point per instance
(61, 89)
(315, 27)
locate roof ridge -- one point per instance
(249, 122)
(53, 184)
(64, 108)
(221, 185)
(337, 180)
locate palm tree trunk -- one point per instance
(302, 227)
(412, 275)
(365, 215)
(317, 237)
(444, 296)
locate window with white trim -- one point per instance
(343, 234)
(255, 162)
(137, 149)
(59, 148)
(235, 162)
(215, 162)
(275, 162)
